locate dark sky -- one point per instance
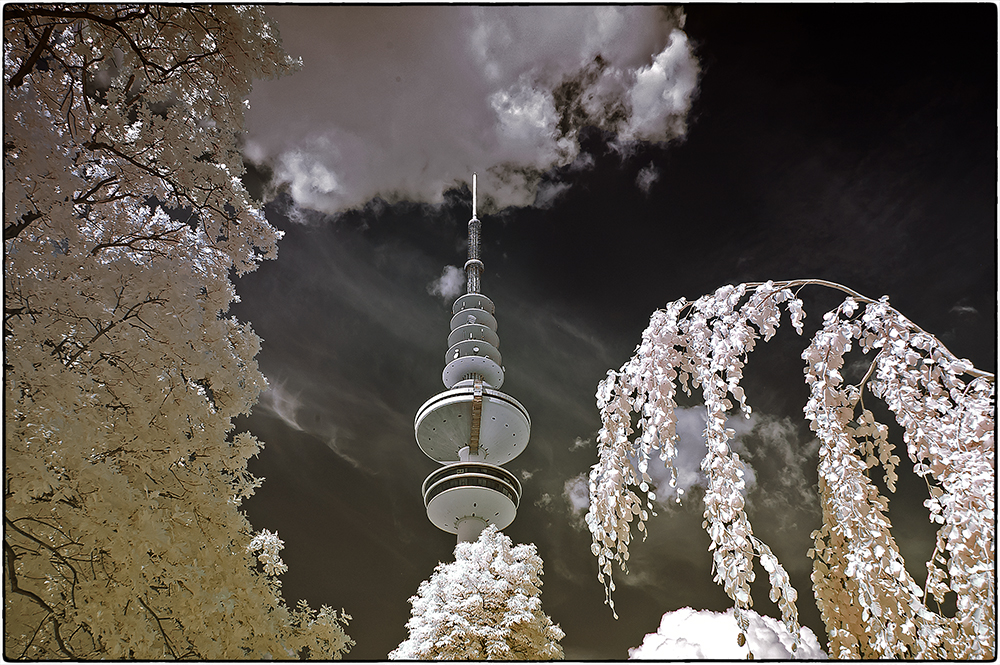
(855, 143)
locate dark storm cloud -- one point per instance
(405, 102)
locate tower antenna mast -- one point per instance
(474, 266)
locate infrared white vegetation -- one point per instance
(871, 606)
(124, 215)
(486, 605)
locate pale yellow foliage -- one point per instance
(123, 536)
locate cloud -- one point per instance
(406, 102)
(549, 192)
(691, 450)
(646, 177)
(963, 308)
(449, 285)
(661, 94)
(579, 443)
(688, 634)
(784, 462)
(576, 491)
(778, 462)
(279, 401)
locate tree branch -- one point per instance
(162, 235)
(14, 230)
(47, 546)
(33, 636)
(159, 624)
(114, 24)
(12, 577)
(93, 190)
(102, 331)
(18, 78)
(977, 373)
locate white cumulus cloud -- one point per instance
(688, 634)
(661, 95)
(404, 102)
(449, 285)
(576, 491)
(646, 177)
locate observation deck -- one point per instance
(444, 423)
(471, 494)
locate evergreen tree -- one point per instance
(486, 605)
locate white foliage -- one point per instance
(485, 605)
(688, 634)
(123, 536)
(871, 606)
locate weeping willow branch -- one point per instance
(870, 604)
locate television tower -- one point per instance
(472, 428)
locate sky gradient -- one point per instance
(853, 143)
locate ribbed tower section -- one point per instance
(472, 428)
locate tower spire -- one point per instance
(474, 266)
(472, 428)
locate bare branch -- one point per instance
(15, 588)
(83, 197)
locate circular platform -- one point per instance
(471, 490)
(477, 300)
(473, 347)
(473, 331)
(474, 315)
(462, 367)
(444, 423)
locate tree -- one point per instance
(870, 604)
(124, 215)
(485, 605)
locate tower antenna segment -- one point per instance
(472, 428)
(474, 266)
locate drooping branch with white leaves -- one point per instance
(871, 606)
(124, 214)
